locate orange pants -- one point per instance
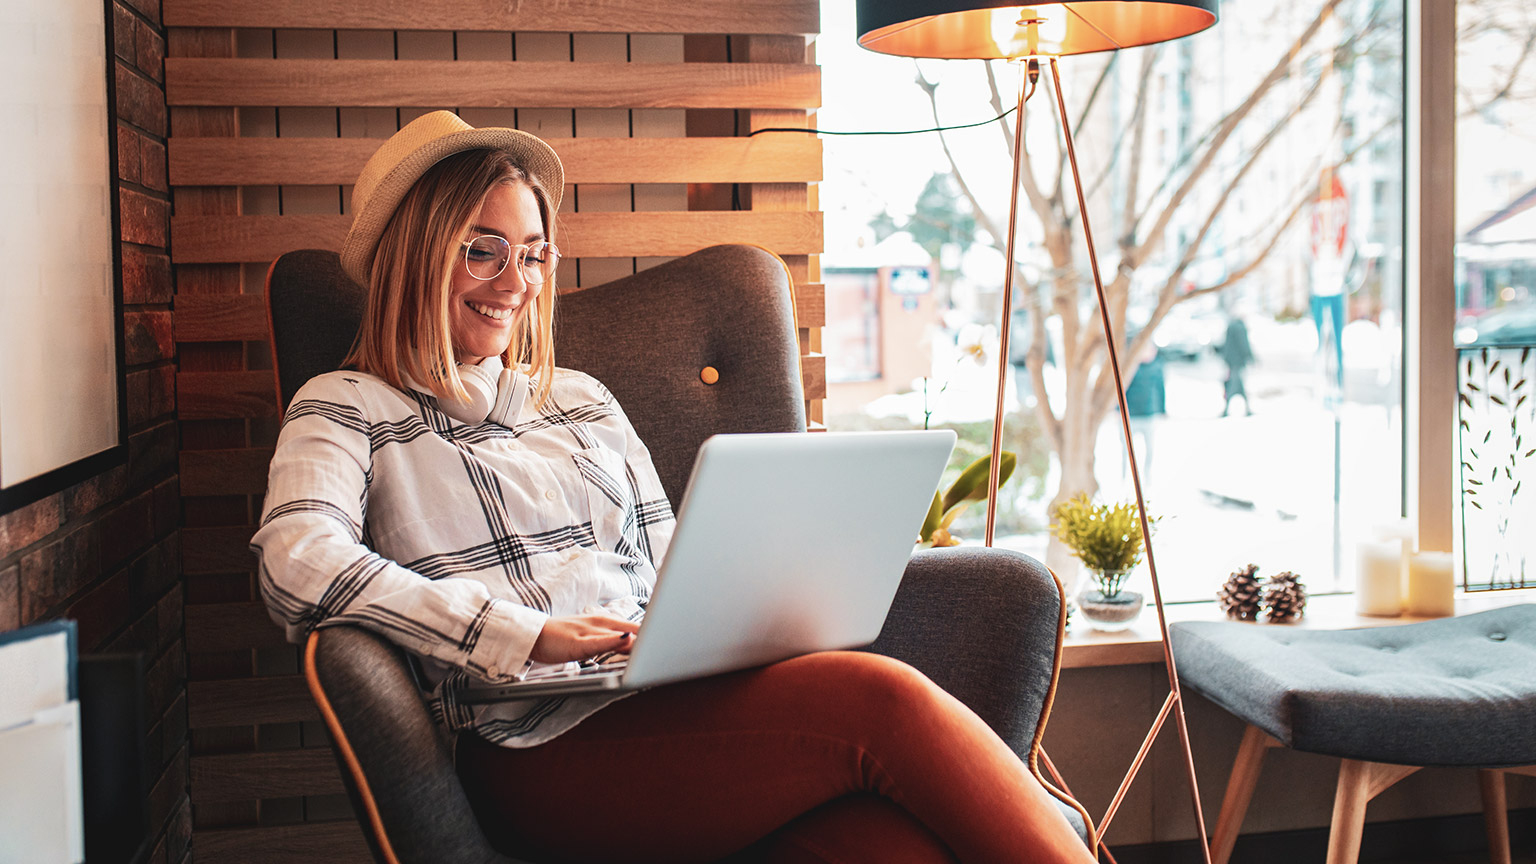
(856, 757)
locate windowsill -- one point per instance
(1085, 647)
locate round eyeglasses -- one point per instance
(487, 255)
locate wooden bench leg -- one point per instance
(1359, 782)
(1495, 815)
(1234, 805)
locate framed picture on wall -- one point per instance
(62, 412)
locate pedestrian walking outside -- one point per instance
(1237, 353)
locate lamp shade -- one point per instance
(996, 29)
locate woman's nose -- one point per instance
(510, 279)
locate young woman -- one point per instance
(495, 515)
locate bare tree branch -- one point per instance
(1301, 197)
(1507, 88)
(1168, 294)
(982, 217)
(1134, 126)
(1278, 73)
(1037, 200)
(1082, 116)
(1035, 358)
(1138, 128)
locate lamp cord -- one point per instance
(813, 131)
(1032, 70)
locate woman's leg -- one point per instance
(695, 771)
(854, 829)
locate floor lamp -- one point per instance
(996, 30)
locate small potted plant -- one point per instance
(1107, 538)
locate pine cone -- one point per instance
(1239, 596)
(1284, 597)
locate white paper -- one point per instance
(40, 789)
(34, 676)
(56, 238)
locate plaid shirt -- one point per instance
(457, 541)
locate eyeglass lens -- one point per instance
(487, 255)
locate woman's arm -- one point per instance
(315, 571)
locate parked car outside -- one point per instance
(1506, 325)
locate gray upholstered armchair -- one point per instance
(984, 624)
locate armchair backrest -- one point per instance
(648, 337)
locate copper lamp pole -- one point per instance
(994, 470)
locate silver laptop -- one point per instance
(785, 544)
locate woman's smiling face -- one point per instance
(483, 314)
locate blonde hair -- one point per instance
(405, 331)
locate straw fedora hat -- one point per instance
(420, 144)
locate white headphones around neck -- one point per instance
(496, 394)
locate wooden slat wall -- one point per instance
(275, 106)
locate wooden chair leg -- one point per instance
(1359, 782)
(1495, 815)
(1234, 804)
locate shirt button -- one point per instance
(550, 494)
(493, 671)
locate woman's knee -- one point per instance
(873, 685)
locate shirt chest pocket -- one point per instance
(610, 496)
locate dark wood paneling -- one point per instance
(811, 305)
(273, 774)
(225, 472)
(202, 318)
(217, 550)
(490, 84)
(588, 16)
(214, 395)
(231, 627)
(771, 158)
(813, 375)
(218, 239)
(241, 702)
(328, 842)
(209, 319)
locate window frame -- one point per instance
(1429, 349)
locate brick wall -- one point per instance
(106, 551)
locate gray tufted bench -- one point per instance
(1388, 701)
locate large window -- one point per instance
(1495, 229)
(1246, 192)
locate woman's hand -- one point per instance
(579, 637)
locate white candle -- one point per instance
(1398, 531)
(1431, 584)
(1378, 579)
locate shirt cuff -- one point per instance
(507, 640)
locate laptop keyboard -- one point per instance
(611, 667)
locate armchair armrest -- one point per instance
(986, 625)
(398, 771)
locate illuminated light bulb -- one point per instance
(1022, 31)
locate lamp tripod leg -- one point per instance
(995, 468)
(1176, 696)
